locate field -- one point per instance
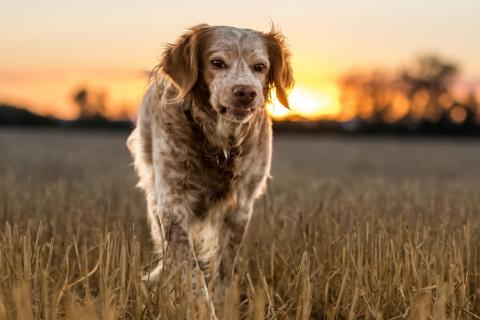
(351, 228)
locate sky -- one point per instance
(51, 48)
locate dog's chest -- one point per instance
(207, 169)
(221, 175)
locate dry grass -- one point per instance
(350, 229)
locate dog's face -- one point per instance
(236, 68)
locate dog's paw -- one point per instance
(152, 276)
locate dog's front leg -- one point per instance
(236, 224)
(169, 228)
(174, 225)
(179, 256)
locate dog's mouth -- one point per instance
(237, 112)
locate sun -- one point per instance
(308, 103)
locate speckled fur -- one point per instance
(202, 169)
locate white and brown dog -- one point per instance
(203, 141)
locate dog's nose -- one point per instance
(244, 94)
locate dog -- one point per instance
(203, 142)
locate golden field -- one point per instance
(350, 228)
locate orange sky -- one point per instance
(51, 47)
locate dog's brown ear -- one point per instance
(280, 74)
(180, 60)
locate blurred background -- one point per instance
(372, 66)
(373, 209)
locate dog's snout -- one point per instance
(244, 94)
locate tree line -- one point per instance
(421, 92)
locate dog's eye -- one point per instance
(218, 64)
(259, 67)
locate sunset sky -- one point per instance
(50, 48)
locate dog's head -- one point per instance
(233, 69)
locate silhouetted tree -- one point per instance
(472, 108)
(90, 106)
(367, 95)
(425, 81)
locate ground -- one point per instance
(350, 228)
